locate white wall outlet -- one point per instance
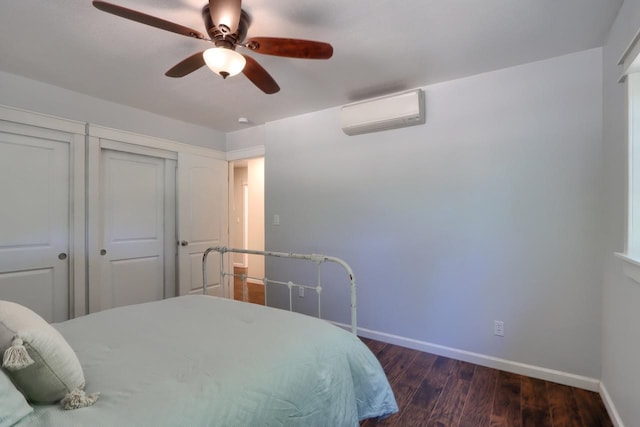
(498, 328)
(301, 292)
(276, 219)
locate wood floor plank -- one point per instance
(376, 347)
(448, 410)
(535, 403)
(408, 382)
(479, 404)
(563, 406)
(591, 408)
(418, 412)
(506, 405)
(400, 364)
(393, 358)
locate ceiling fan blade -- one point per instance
(290, 48)
(225, 13)
(143, 18)
(186, 66)
(259, 76)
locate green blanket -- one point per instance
(207, 361)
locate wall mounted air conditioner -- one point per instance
(384, 113)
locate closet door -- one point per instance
(202, 221)
(34, 223)
(132, 261)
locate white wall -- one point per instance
(245, 139)
(31, 95)
(489, 211)
(621, 296)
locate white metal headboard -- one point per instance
(318, 259)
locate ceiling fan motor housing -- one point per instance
(220, 34)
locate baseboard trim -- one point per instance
(565, 378)
(611, 408)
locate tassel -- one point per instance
(16, 357)
(78, 399)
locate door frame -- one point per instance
(232, 156)
(38, 125)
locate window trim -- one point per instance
(631, 254)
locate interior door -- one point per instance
(133, 228)
(34, 224)
(202, 221)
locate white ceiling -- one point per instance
(380, 46)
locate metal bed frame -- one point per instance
(318, 259)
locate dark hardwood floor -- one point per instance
(437, 391)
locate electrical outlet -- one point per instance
(301, 292)
(498, 328)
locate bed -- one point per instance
(207, 361)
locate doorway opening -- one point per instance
(247, 225)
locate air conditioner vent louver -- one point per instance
(384, 113)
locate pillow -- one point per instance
(13, 406)
(39, 360)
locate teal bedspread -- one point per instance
(207, 361)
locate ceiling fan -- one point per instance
(227, 26)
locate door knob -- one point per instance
(184, 243)
(62, 255)
(103, 251)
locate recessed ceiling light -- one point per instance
(243, 120)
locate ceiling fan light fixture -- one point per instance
(224, 61)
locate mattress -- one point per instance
(207, 361)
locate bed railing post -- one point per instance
(244, 287)
(265, 281)
(204, 270)
(222, 282)
(318, 290)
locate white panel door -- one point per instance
(133, 227)
(202, 221)
(34, 224)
